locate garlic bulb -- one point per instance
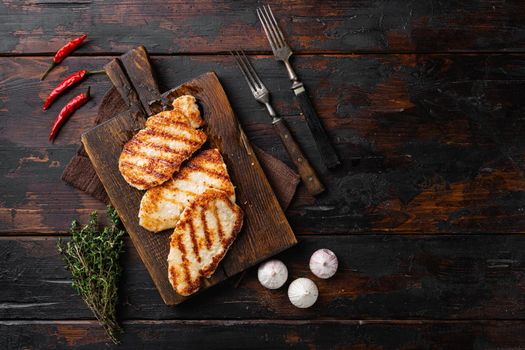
(323, 263)
(272, 274)
(303, 293)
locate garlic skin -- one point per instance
(272, 274)
(324, 263)
(303, 293)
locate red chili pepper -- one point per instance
(64, 52)
(66, 83)
(66, 112)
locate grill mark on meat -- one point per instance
(210, 156)
(148, 169)
(185, 262)
(157, 197)
(169, 136)
(183, 174)
(207, 234)
(171, 200)
(140, 143)
(151, 206)
(169, 122)
(218, 220)
(173, 273)
(173, 129)
(194, 240)
(138, 181)
(137, 153)
(188, 192)
(210, 172)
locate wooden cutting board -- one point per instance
(265, 232)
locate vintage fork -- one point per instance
(262, 95)
(282, 52)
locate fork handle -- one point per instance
(321, 138)
(305, 169)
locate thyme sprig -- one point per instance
(93, 257)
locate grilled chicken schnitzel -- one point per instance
(161, 206)
(203, 235)
(152, 156)
(188, 105)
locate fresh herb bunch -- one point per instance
(93, 259)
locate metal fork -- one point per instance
(282, 52)
(262, 95)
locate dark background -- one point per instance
(424, 102)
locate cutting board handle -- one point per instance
(133, 77)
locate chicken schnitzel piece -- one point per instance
(206, 230)
(188, 105)
(161, 206)
(152, 156)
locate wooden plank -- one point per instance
(255, 334)
(219, 26)
(395, 277)
(265, 230)
(429, 143)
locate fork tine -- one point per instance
(246, 67)
(277, 28)
(252, 70)
(244, 73)
(259, 14)
(272, 27)
(268, 28)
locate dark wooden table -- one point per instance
(425, 102)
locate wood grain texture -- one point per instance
(429, 143)
(265, 230)
(257, 334)
(123, 85)
(219, 26)
(396, 277)
(138, 67)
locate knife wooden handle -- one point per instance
(305, 169)
(322, 141)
